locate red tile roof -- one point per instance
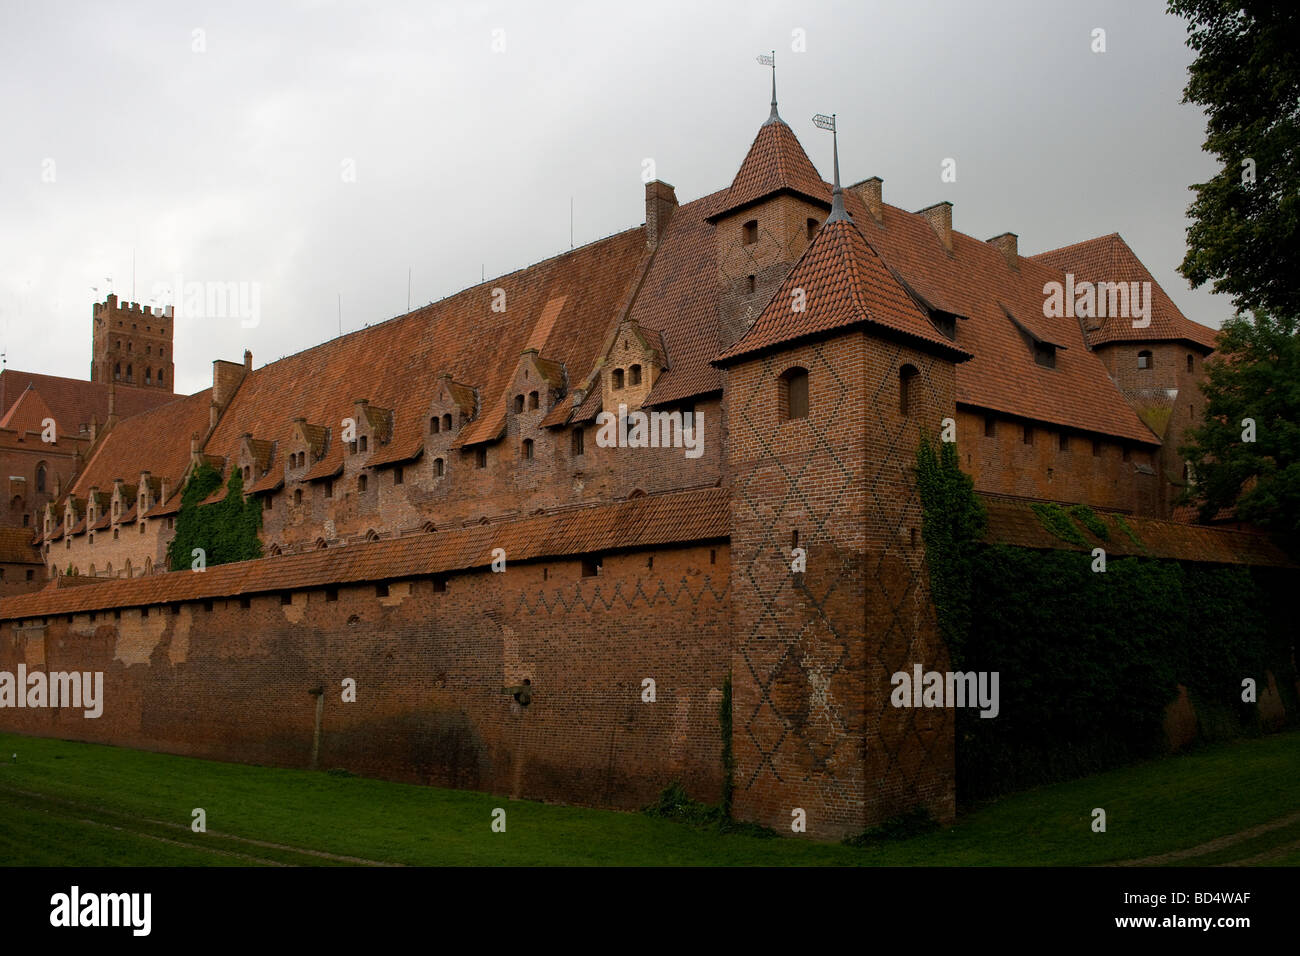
(1110, 259)
(845, 284)
(74, 402)
(701, 515)
(157, 441)
(976, 281)
(17, 547)
(775, 163)
(1013, 521)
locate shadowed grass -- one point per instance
(96, 805)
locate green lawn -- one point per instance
(77, 804)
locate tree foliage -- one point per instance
(1253, 392)
(225, 530)
(1245, 236)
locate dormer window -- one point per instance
(1045, 354)
(519, 404)
(446, 422)
(365, 443)
(361, 484)
(749, 232)
(434, 425)
(946, 323)
(617, 378)
(634, 375)
(533, 400)
(439, 468)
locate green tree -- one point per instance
(1247, 450)
(1245, 236)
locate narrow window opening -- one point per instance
(1144, 359)
(577, 440)
(906, 375)
(749, 231)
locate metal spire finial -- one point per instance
(770, 60)
(838, 212)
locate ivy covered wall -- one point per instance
(1088, 661)
(225, 530)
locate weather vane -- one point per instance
(822, 121)
(769, 59)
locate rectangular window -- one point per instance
(1064, 442)
(1096, 448)
(397, 476)
(480, 457)
(331, 594)
(439, 585)
(1029, 434)
(245, 603)
(329, 489)
(990, 426)
(590, 567)
(381, 590)
(286, 599)
(577, 441)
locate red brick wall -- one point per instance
(1003, 463)
(813, 726)
(233, 683)
(1166, 395)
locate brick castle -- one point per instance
(803, 336)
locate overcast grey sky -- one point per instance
(227, 165)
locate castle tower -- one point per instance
(829, 393)
(131, 344)
(774, 207)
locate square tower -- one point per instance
(131, 344)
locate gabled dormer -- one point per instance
(373, 427)
(253, 458)
(632, 364)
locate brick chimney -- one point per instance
(1007, 245)
(940, 216)
(869, 191)
(226, 377)
(248, 360)
(660, 201)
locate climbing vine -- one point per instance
(225, 530)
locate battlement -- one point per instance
(111, 304)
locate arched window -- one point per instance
(532, 400)
(446, 422)
(248, 474)
(617, 378)
(372, 535)
(794, 393)
(148, 565)
(429, 528)
(127, 568)
(439, 468)
(1144, 359)
(519, 404)
(117, 372)
(40, 476)
(130, 374)
(749, 231)
(528, 449)
(361, 483)
(906, 375)
(751, 282)
(434, 425)
(148, 376)
(634, 375)
(16, 503)
(321, 545)
(161, 377)
(273, 550)
(129, 346)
